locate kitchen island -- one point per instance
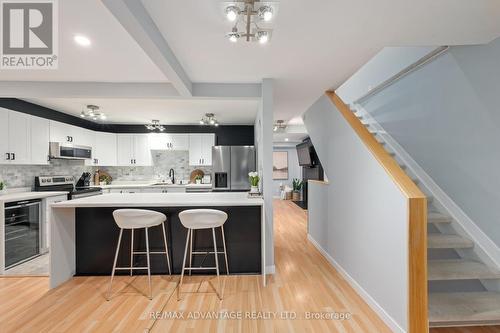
(84, 235)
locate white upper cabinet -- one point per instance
(104, 152)
(4, 136)
(64, 133)
(200, 149)
(142, 152)
(133, 149)
(60, 132)
(164, 141)
(15, 136)
(40, 136)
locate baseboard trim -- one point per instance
(386, 318)
(270, 269)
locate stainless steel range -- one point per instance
(65, 183)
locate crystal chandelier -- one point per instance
(155, 125)
(209, 119)
(254, 16)
(93, 113)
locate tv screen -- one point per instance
(304, 154)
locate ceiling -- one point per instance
(316, 45)
(168, 111)
(114, 56)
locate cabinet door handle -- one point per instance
(7, 156)
(13, 156)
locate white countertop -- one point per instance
(17, 196)
(206, 199)
(154, 184)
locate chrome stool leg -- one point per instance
(183, 266)
(131, 250)
(225, 251)
(114, 264)
(217, 265)
(149, 264)
(166, 247)
(191, 250)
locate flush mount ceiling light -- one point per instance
(155, 126)
(209, 119)
(279, 125)
(253, 16)
(82, 40)
(92, 112)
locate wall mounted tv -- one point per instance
(304, 154)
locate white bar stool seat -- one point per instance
(131, 219)
(196, 219)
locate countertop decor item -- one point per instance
(194, 174)
(104, 179)
(2, 187)
(254, 179)
(198, 179)
(297, 186)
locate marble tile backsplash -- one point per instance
(24, 175)
(163, 161)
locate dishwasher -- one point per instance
(22, 231)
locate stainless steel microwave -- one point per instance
(68, 151)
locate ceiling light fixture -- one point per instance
(279, 125)
(82, 40)
(263, 37)
(92, 112)
(209, 119)
(266, 13)
(232, 13)
(155, 126)
(249, 14)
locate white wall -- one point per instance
(446, 116)
(264, 146)
(294, 169)
(360, 221)
(384, 65)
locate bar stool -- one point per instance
(195, 219)
(131, 219)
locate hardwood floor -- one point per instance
(304, 281)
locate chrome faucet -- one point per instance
(171, 175)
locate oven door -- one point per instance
(22, 231)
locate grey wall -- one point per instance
(362, 224)
(294, 170)
(447, 117)
(264, 146)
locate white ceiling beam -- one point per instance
(41, 89)
(136, 20)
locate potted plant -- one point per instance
(198, 179)
(254, 179)
(297, 186)
(104, 180)
(2, 187)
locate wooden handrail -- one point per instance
(417, 220)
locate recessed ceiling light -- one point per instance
(82, 40)
(286, 139)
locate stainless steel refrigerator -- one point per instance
(231, 165)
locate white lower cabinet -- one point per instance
(47, 215)
(125, 190)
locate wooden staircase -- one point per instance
(456, 308)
